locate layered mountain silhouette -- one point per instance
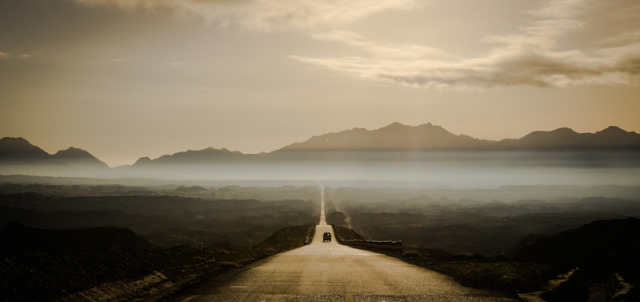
(565, 138)
(204, 156)
(395, 137)
(430, 137)
(18, 151)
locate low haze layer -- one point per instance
(427, 155)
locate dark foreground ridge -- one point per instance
(602, 251)
(15, 237)
(121, 271)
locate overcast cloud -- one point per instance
(264, 15)
(530, 57)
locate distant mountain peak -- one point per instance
(14, 140)
(142, 160)
(395, 125)
(212, 149)
(613, 130)
(72, 152)
(16, 143)
(563, 130)
(77, 156)
(19, 150)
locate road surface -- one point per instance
(333, 272)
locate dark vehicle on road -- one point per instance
(326, 237)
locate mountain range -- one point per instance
(429, 137)
(18, 151)
(394, 137)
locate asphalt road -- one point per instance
(333, 272)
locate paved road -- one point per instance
(333, 272)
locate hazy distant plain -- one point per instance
(471, 169)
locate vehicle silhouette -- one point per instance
(326, 237)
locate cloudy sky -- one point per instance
(130, 78)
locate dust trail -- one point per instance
(323, 220)
(339, 208)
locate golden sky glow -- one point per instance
(130, 78)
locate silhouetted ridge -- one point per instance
(72, 152)
(565, 138)
(143, 161)
(208, 155)
(78, 157)
(397, 136)
(20, 151)
(613, 130)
